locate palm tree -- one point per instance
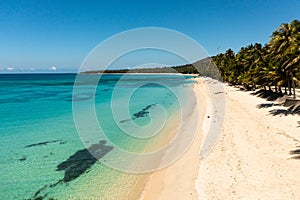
(250, 59)
(276, 64)
(285, 45)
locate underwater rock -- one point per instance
(82, 160)
(45, 143)
(75, 165)
(23, 158)
(143, 113)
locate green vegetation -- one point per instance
(203, 67)
(274, 65)
(184, 69)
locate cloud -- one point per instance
(1, 68)
(10, 68)
(53, 68)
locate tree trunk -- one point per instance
(285, 91)
(280, 91)
(290, 79)
(289, 87)
(294, 87)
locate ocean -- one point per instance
(52, 134)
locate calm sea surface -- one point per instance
(42, 156)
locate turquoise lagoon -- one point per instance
(42, 156)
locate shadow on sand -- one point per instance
(295, 153)
(287, 105)
(293, 106)
(268, 95)
(267, 105)
(289, 111)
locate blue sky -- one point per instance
(36, 35)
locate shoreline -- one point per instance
(137, 73)
(256, 155)
(134, 184)
(171, 182)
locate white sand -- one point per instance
(250, 161)
(177, 180)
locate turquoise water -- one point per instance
(42, 156)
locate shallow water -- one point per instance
(41, 153)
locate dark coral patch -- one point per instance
(82, 160)
(45, 143)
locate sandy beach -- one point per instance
(179, 178)
(256, 156)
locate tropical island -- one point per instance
(275, 65)
(257, 155)
(222, 125)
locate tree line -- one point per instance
(275, 65)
